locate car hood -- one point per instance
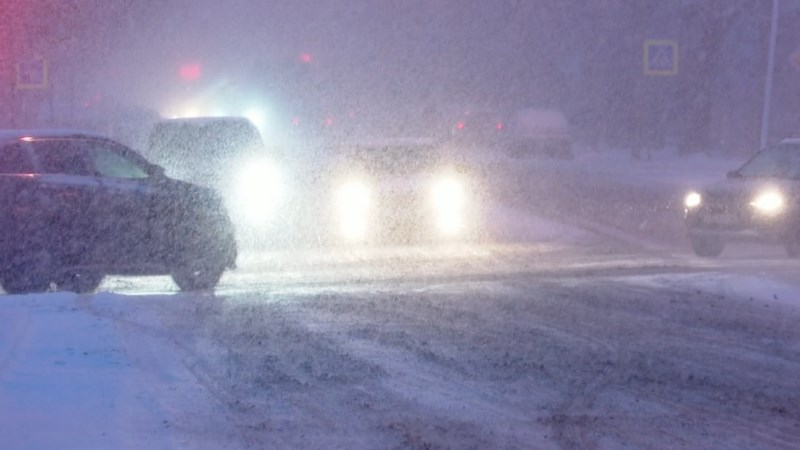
(738, 190)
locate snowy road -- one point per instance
(518, 346)
(565, 337)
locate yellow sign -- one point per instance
(660, 57)
(32, 74)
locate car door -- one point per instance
(127, 192)
(67, 201)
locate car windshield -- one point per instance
(782, 161)
(396, 159)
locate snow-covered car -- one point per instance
(759, 202)
(539, 133)
(401, 190)
(78, 206)
(226, 154)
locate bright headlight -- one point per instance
(770, 202)
(448, 193)
(692, 200)
(260, 189)
(449, 199)
(352, 202)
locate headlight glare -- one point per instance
(770, 202)
(692, 200)
(260, 190)
(448, 193)
(352, 202)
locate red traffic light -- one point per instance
(190, 72)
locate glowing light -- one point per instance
(255, 115)
(460, 125)
(448, 193)
(353, 201)
(190, 72)
(769, 203)
(260, 191)
(306, 58)
(692, 200)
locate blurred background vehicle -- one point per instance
(401, 191)
(226, 154)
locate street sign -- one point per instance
(32, 74)
(660, 57)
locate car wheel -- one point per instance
(707, 246)
(200, 278)
(27, 274)
(80, 282)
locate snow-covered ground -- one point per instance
(560, 334)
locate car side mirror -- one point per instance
(157, 171)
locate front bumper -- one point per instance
(740, 226)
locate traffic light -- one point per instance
(190, 72)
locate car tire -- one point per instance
(28, 274)
(198, 277)
(707, 246)
(80, 282)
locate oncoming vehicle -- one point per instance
(758, 202)
(78, 206)
(401, 191)
(226, 154)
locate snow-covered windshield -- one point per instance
(782, 161)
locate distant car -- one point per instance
(401, 191)
(759, 202)
(539, 133)
(226, 154)
(528, 133)
(78, 206)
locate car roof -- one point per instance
(203, 121)
(791, 141)
(395, 142)
(7, 136)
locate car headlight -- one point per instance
(352, 202)
(770, 202)
(448, 193)
(260, 190)
(692, 200)
(449, 198)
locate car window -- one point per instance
(65, 156)
(109, 162)
(14, 158)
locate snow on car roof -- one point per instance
(791, 141)
(203, 121)
(394, 142)
(14, 135)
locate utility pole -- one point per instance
(773, 37)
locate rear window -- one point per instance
(66, 157)
(15, 158)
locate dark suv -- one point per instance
(75, 207)
(759, 202)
